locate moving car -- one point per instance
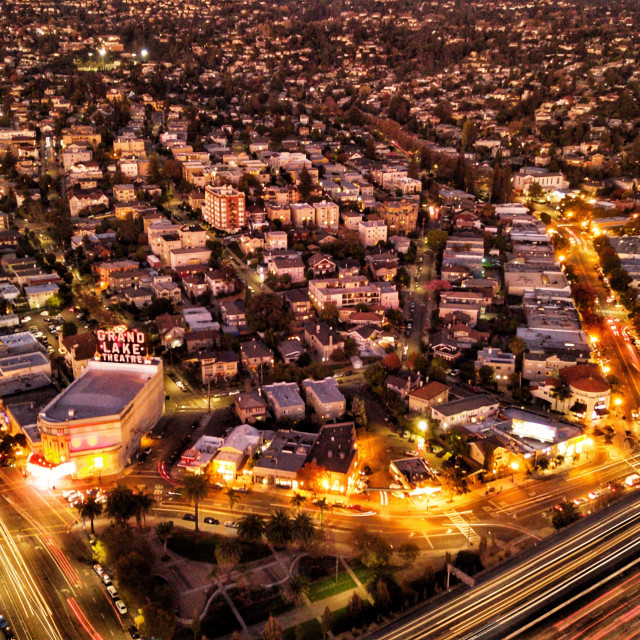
(189, 516)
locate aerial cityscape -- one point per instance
(319, 319)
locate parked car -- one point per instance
(112, 591)
(210, 520)
(121, 607)
(133, 631)
(98, 569)
(189, 516)
(232, 524)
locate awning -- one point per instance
(602, 411)
(579, 408)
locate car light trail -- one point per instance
(25, 588)
(82, 619)
(496, 604)
(52, 548)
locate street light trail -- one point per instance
(52, 548)
(518, 592)
(32, 600)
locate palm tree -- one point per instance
(163, 531)
(322, 505)
(278, 528)
(560, 394)
(303, 529)
(232, 496)
(89, 508)
(143, 504)
(196, 488)
(297, 501)
(251, 527)
(121, 504)
(227, 554)
(296, 589)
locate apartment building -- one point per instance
(325, 397)
(372, 232)
(342, 293)
(224, 208)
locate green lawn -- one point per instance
(328, 586)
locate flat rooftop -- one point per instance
(103, 389)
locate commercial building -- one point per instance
(224, 208)
(97, 422)
(503, 364)
(237, 448)
(336, 452)
(283, 458)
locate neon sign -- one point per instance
(120, 344)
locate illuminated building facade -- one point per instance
(97, 422)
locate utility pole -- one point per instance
(209, 395)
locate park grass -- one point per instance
(311, 630)
(327, 587)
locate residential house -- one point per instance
(433, 393)
(250, 407)
(218, 365)
(322, 339)
(255, 354)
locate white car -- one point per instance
(98, 569)
(112, 591)
(121, 607)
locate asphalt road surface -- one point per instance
(511, 599)
(48, 589)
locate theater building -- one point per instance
(95, 425)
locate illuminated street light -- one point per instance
(102, 52)
(422, 425)
(593, 339)
(144, 53)
(618, 401)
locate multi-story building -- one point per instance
(325, 397)
(425, 397)
(503, 364)
(302, 214)
(401, 215)
(345, 292)
(327, 215)
(218, 365)
(97, 422)
(224, 208)
(372, 232)
(284, 400)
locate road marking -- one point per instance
(463, 526)
(426, 537)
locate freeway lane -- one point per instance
(507, 597)
(47, 587)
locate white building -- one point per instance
(372, 232)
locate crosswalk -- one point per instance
(464, 526)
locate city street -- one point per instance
(47, 586)
(512, 598)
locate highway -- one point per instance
(511, 599)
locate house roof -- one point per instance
(430, 390)
(82, 346)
